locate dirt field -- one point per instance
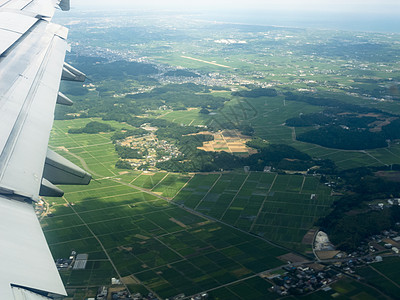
(309, 237)
(391, 176)
(230, 141)
(294, 258)
(326, 254)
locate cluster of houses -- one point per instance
(103, 293)
(387, 243)
(374, 250)
(348, 266)
(387, 240)
(125, 295)
(381, 205)
(156, 150)
(63, 263)
(201, 296)
(75, 261)
(302, 280)
(139, 296)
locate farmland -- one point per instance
(124, 221)
(279, 207)
(383, 275)
(216, 231)
(130, 230)
(167, 250)
(347, 289)
(95, 150)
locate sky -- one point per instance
(347, 6)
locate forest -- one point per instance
(329, 117)
(351, 220)
(178, 97)
(182, 73)
(341, 138)
(101, 69)
(92, 128)
(323, 101)
(345, 126)
(171, 96)
(128, 153)
(120, 135)
(256, 92)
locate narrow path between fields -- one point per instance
(302, 185)
(204, 197)
(159, 181)
(384, 276)
(234, 197)
(370, 155)
(262, 204)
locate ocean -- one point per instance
(316, 20)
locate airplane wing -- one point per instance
(32, 52)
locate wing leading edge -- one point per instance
(32, 52)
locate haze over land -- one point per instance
(370, 15)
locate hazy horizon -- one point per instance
(367, 15)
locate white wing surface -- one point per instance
(32, 52)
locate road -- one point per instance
(206, 62)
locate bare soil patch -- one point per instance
(326, 254)
(230, 141)
(389, 175)
(294, 258)
(178, 222)
(308, 238)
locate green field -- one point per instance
(170, 185)
(148, 180)
(346, 289)
(95, 150)
(166, 248)
(186, 117)
(251, 289)
(384, 275)
(132, 232)
(125, 223)
(281, 208)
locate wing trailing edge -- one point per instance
(64, 100)
(32, 53)
(50, 190)
(59, 170)
(71, 74)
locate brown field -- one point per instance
(230, 141)
(308, 238)
(389, 175)
(178, 222)
(130, 280)
(326, 254)
(294, 258)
